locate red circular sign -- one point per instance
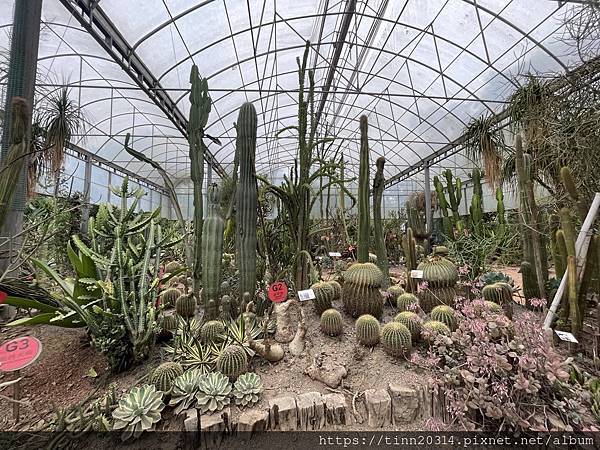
(3, 297)
(19, 353)
(278, 292)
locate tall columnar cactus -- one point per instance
(532, 238)
(454, 189)
(569, 185)
(200, 105)
(212, 247)
(476, 208)
(560, 262)
(443, 204)
(500, 211)
(409, 247)
(247, 199)
(363, 194)
(380, 249)
(575, 315)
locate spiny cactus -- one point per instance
(169, 296)
(168, 323)
(432, 328)
(380, 248)
(443, 204)
(186, 305)
(172, 267)
(409, 248)
(500, 211)
(212, 331)
(444, 314)
(438, 272)
(360, 293)
(530, 287)
(337, 287)
(213, 392)
(560, 263)
(212, 246)
(247, 199)
(247, 389)
(493, 307)
(226, 308)
(367, 330)
(163, 376)
(476, 208)
(395, 290)
(184, 390)
(324, 295)
(454, 190)
(364, 228)
(431, 297)
(331, 322)
(411, 321)
(396, 339)
(138, 411)
(407, 302)
(232, 361)
(569, 184)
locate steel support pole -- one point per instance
(87, 188)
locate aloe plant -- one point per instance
(138, 411)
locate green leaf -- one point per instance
(28, 303)
(45, 319)
(64, 285)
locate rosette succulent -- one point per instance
(138, 411)
(185, 388)
(213, 392)
(247, 389)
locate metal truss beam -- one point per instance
(93, 19)
(587, 69)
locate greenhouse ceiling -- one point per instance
(420, 69)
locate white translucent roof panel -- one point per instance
(420, 71)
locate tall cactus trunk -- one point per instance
(342, 208)
(531, 216)
(199, 110)
(500, 211)
(212, 247)
(454, 197)
(247, 199)
(443, 204)
(381, 251)
(363, 194)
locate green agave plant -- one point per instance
(247, 389)
(138, 411)
(185, 388)
(213, 392)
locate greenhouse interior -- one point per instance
(233, 223)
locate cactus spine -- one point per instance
(411, 321)
(380, 249)
(232, 361)
(331, 322)
(444, 314)
(569, 184)
(367, 330)
(164, 375)
(211, 331)
(169, 296)
(212, 246)
(247, 202)
(363, 193)
(324, 295)
(186, 305)
(396, 339)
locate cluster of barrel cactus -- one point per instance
(441, 276)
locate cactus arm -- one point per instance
(378, 186)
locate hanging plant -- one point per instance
(485, 143)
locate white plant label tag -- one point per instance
(335, 254)
(565, 336)
(306, 295)
(416, 274)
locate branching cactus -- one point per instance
(454, 190)
(212, 247)
(380, 249)
(247, 199)
(443, 204)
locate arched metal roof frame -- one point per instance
(430, 125)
